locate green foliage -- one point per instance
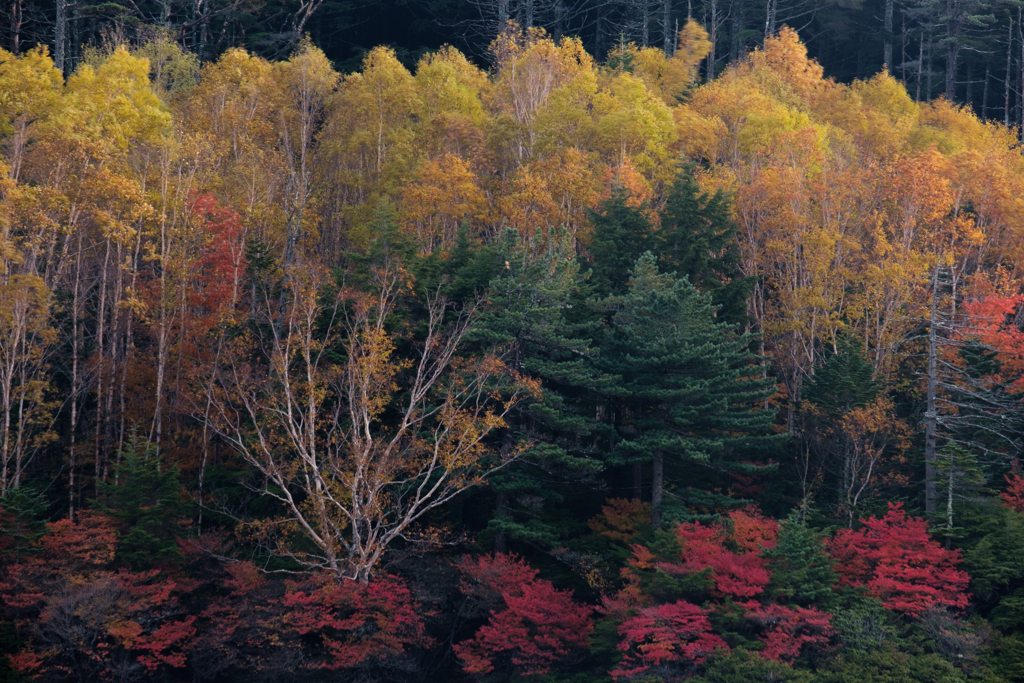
(844, 381)
(888, 665)
(697, 240)
(621, 235)
(690, 386)
(22, 523)
(743, 666)
(145, 496)
(800, 567)
(864, 625)
(527, 300)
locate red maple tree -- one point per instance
(76, 611)
(788, 631)
(533, 625)
(675, 635)
(896, 561)
(740, 573)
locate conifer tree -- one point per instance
(844, 381)
(690, 386)
(527, 303)
(801, 571)
(697, 239)
(22, 523)
(621, 234)
(145, 498)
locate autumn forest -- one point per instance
(543, 363)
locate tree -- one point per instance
(621, 235)
(690, 386)
(532, 625)
(356, 443)
(696, 238)
(739, 575)
(668, 640)
(786, 631)
(801, 571)
(896, 561)
(76, 614)
(145, 498)
(528, 300)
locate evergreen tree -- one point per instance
(690, 386)
(527, 301)
(621, 234)
(800, 567)
(697, 239)
(22, 523)
(146, 499)
(844, 381)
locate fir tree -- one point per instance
(844, 381)
(22, 523)
(697, 239)
(621, 234)
(527, 301)
(690, 387)
(801, 571)
(146, 500)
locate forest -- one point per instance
(530, 365)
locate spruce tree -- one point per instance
(696, 239)
(690, 387)
(526, 306)
(146, 500)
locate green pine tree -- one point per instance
(691, 389)
(526, 306)
(697, 239)
(800, 568)
(146, 500)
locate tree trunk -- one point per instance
(920, 66)
(887, 45)
(501, 511)
(666, 27)
(657, 487)
(713, 37)
(952, 47)
(16, 21)
(1009, 75)
(645, 34)
(928, 70)
(60, 35)
(984, 96)
(930, 415)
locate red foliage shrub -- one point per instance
(1013, 496)
(352, 623)
(786, 631)
(736, 574)
(259, 626)
(677, 635)
(896, 560)
(537, 626)
(81, 615)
